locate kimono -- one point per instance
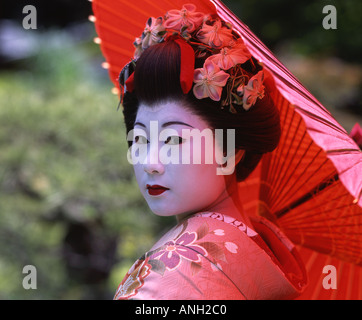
(211, 256)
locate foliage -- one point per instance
(69, 203)
(298, 24)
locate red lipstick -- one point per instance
(156, 190)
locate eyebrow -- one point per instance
(166, 124)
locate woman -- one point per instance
(192, 75)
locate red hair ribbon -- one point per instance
(187, 65)
(130, 83)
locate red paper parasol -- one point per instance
(310, 186)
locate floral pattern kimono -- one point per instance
(213, 256)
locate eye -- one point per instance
(140, 140)
(174, 140)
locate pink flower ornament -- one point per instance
(187, 16)
(209, 81)
(253, 90)
(228, 57)
(215, 35)
(213, 39)
(138, 45)
(151, 35)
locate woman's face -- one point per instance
(173, 172)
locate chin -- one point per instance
(161, 211)
(165, 211)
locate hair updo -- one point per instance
(157, 79)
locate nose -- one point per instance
(154, 168)
(153, 165)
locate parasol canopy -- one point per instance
(310, 186)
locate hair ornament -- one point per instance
(229, 74)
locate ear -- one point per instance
(231, 163)
(239, 155)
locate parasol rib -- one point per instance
(324, 184)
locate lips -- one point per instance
(156, 189)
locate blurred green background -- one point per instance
(69, 204)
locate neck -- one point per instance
(228, 203)
(231, 204)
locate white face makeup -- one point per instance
(175, 189)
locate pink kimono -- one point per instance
(211, 256)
